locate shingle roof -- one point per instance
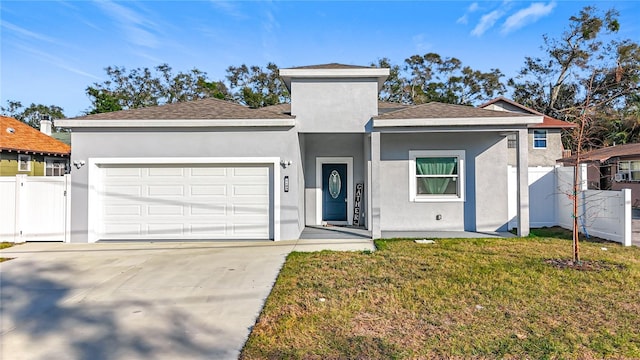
(606, 153)
(24, 138)
(279, 108)
(436, 110)
(383, 106)
(210, 108)
(332, 66)
(547, 121)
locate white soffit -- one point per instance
(70, 123)
(474, 121)
(380, 74)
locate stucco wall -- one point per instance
(485, 208)
(193, 143)
(542, 157)
(333, 105)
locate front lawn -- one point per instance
(457, 298)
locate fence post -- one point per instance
(18, 208)
(627, 218)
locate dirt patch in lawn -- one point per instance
(584, 265)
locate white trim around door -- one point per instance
(95, 179)
(334, 160)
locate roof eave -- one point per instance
(40, 152)
(173, 123)
(468, 121)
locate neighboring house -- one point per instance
(612, 168)
(545, 139)
(25, 150)
(211, 169)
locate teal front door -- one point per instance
(334, 192)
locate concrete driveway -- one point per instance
(138, 300)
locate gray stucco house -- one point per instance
(211, 169)
(545, 138)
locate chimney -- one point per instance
(45, 124)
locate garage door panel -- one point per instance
(208, 209)
(250, 171)
(165, 210)
(164, 172)
(213, 230)
(208, 190)
(249, 190)
(164, 229)
(164, 190)
(123, 190)
(116, 172)
(208, 172)
(122, 210)
(121, 230)
(185, 202)
(249, 209)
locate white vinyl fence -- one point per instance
(34, 208)
(605, 214)
(601, 213)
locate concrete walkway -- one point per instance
(138, 300)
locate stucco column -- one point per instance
(376, 232)
(523, 182)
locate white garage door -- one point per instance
(182, 202)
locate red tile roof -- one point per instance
(547, 121)
(18, 136)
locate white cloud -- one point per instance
(138, 29)
(486, 22)
(421, 44)
(29, 34)
(228, 7)
(56, 61)
(527, 16)
(464, 19)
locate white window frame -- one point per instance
(52, 160)
(628, 171)
(26, 160)
(545, 138)
(413, 188)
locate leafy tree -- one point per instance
(393, 89)
(257, 87)
(430, 77)
(32, 113)
(579, 63)
(142, 87)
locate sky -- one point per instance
(52, 50)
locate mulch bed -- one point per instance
(584, 265)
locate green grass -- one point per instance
(458, 298)
(4, 245)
